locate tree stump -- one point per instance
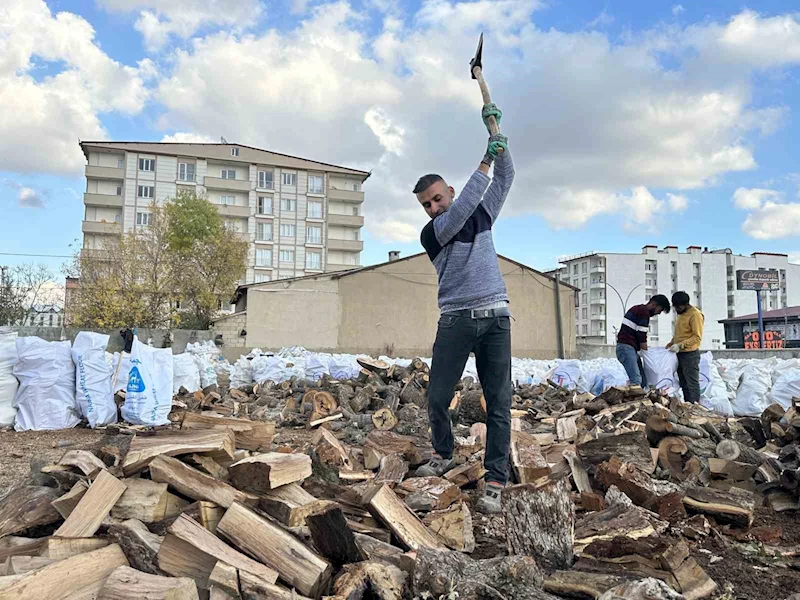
(540, 521)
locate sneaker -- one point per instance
(489, 503)
(436, 467)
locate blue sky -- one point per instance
(631, 123)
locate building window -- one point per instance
(583, 282)
(145, 191)
(356, 187)
(583, 313)
(185, 172)
(584, 267)
(262, 277)
(313, 260)
(142, 218)
(119, 190)
(234, 152)
(314, 235)
(315, 210)
(583, 329)
(315, 184)
(120, 163)
(288, 204)
(228, 173)
(147, 164)
(51, 319)
(287, 230)
(264, 205)
(227, 200)
(265, 180)
(583, 298)
(116, 218)
(289, 178)
(356, 234)
(287, 256)
(263, 257)
(575, 269)
(264, 232)
(355, 211)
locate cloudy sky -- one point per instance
(630, 122)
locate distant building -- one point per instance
(44, 316)
(781, 329)
(610, 283)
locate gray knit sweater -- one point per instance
(459, 241)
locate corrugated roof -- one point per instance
(779, 313)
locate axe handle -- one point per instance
(478, 72)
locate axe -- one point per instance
(476, 70)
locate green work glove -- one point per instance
(496, 142)
(491, 110)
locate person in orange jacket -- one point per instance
(685, 342)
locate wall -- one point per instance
(230, 328)
(180, 337)
(588, 352)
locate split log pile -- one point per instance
(608, 494)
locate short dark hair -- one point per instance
(661, 301)
(427, 181)
(680, 298)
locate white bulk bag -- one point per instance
(121, 367)
(148, 397)
(8, 383)
(786, 387)
(185, 373)
(752, 395)
(46, 395)
(713, 392)
(270, 368)
(659, 369)
(93, 379)
(566, 373)
(241, 372)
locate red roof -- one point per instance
(790, 312)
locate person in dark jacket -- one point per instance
(632, 336)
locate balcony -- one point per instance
(346, 220)
(217, 183)
(597, 269)
(101, 228)
(345, 195)
(598, 317)
(242, 235)
(597, 301)
(111, 200)
(227, 210)
(104, 172)
(345, 245)
(597, 285)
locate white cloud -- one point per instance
(183, 137)
(29, 198)
(753, 198)
(601, 20)
(678, 9)
(389, 135)
(160, 19)
(42, 120)
(794, 257)
(768, 217)
(677, 202)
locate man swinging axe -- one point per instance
(472, 300)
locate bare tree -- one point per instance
(23, 289)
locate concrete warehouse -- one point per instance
(389, 308)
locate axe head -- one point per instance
(476, 62)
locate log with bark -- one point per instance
(332, 537)
(734, 506)
(144, 449)
(388, 442)
(628, 447)
(405, 525)
(428, 493)
(454, 526)
(27, 507)
(249, 435)
(264, 472)
(196, 485)
(84, 461)
(370, 579)
(125, 583)
(147, 501)
(330, 450)
(393, 470)
(139, 545)
(733, 450)
(93, 507)
(631, 480)
(526, 457)
(289, 504)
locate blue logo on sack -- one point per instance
(135, 381)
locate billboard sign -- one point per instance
(757, 280)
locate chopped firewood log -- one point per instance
(616, 520)
(330, 450)
(210, 515)
(734, 506)
(628, 447)
(60, 548)
(648, 588)
(196, 485)
(27, 507)
(388, 442)
(96, 504)
(671, 451)
(332, 537)
(224, 577)
(139, 545)
(469, 472)
(693, 581)
(319, 420)
(210, 466)
(296, 564)
(783, 501)
(372, 457)
(637, 485)
(733, 450)
(378, 533)
(579, 474)
(454, 526)
(428, 493)
(289, 504)
(729, 469)
(124, 583)
(657, 424)
(540, 520)
(526, 456)
(264, 472)
(412, 393)
(567, 428)
(356, 476)
(84, 461)
(378, 367)
(216, 593)
(255, 588)
(83, 573)
(670, 507)
(592, 501)
(66, 504)
(385, 552)
(13, 545)
(393, 470)
(144, 449)
(147, 501)
(384, 419)
(324, 403)
(190, 550)
(472, 407)
(405, 525)
(755, 428)
(370, 580)
(440, 573)
(772, 414)
(19, 565)
(583, 584)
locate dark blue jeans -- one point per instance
(490, 340)
(629, 358)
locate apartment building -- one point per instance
(610, 283)
(299, 216)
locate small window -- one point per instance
(315, 210)
(313, 260)
(287, 256)
(315, 184)
(355, 214)
(120, 163)
(264, 232)
(287, 230)
(583, 298)
(186, 172)
(262, 277)
(583, 329)
(119, 190)
(145, 191)
(265, 180)
(142, 218)
(234, 152)
(263, 257)
(228, 173)
(227, 200)
(583, 282)
(147, 164)
(264, 205)
(116, 218)
(583, 313)
(289, 179)
(314, 235)
(288, 204)
(356, 234)
(356, 187)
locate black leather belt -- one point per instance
(482, 313)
